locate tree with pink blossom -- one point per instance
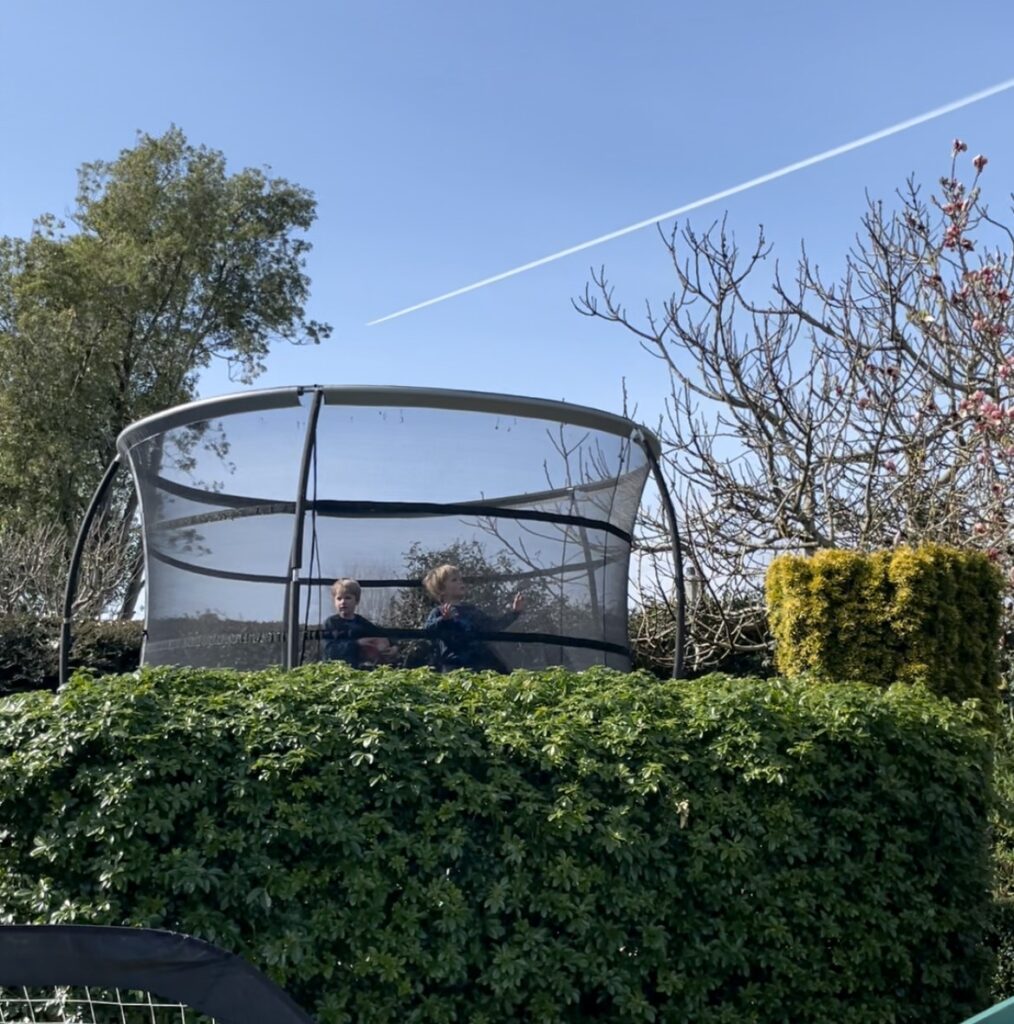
(858, 412)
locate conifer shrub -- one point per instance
(399, 846)
(27, 653)
(30, 656)
(927, 615)
(107, 647)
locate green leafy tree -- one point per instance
(170, 263)
(166, 263)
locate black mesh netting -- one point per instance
(523, 496)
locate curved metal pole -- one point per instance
(296, 554)
(678, 665)
(70, 592)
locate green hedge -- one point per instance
(1002, 930)
(30, 656)
(407, 847)
(928, 615)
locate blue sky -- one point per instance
(450, 141)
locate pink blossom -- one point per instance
(958, 147)
(979, 162)
(956, 207)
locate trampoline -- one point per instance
(252, 504)
(73, 974)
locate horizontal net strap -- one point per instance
(232, 639)
(326, 581)
(389, 509)
(207, 496)
(393, 510)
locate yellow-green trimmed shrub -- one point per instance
(927, 615)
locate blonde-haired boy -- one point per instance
(455, 623)
(348, 636)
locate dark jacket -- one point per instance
(341, 637)
(458, 646)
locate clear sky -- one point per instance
(448, 141)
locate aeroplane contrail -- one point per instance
(799, 165)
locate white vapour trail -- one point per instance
(799, 165)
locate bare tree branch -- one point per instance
(804, 414)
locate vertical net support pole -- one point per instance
(70, 592)
(296, 554)
(679, 655)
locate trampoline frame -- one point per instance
(378, 396)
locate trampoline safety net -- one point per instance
(256, 503)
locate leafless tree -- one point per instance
(805, 413)
(33, 571)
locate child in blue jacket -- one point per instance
(350, 637)
(454, 622)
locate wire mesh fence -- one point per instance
(64, 1004)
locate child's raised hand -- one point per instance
(518, 604)
(447, 611)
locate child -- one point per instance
(349, 636)
(454, 623)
